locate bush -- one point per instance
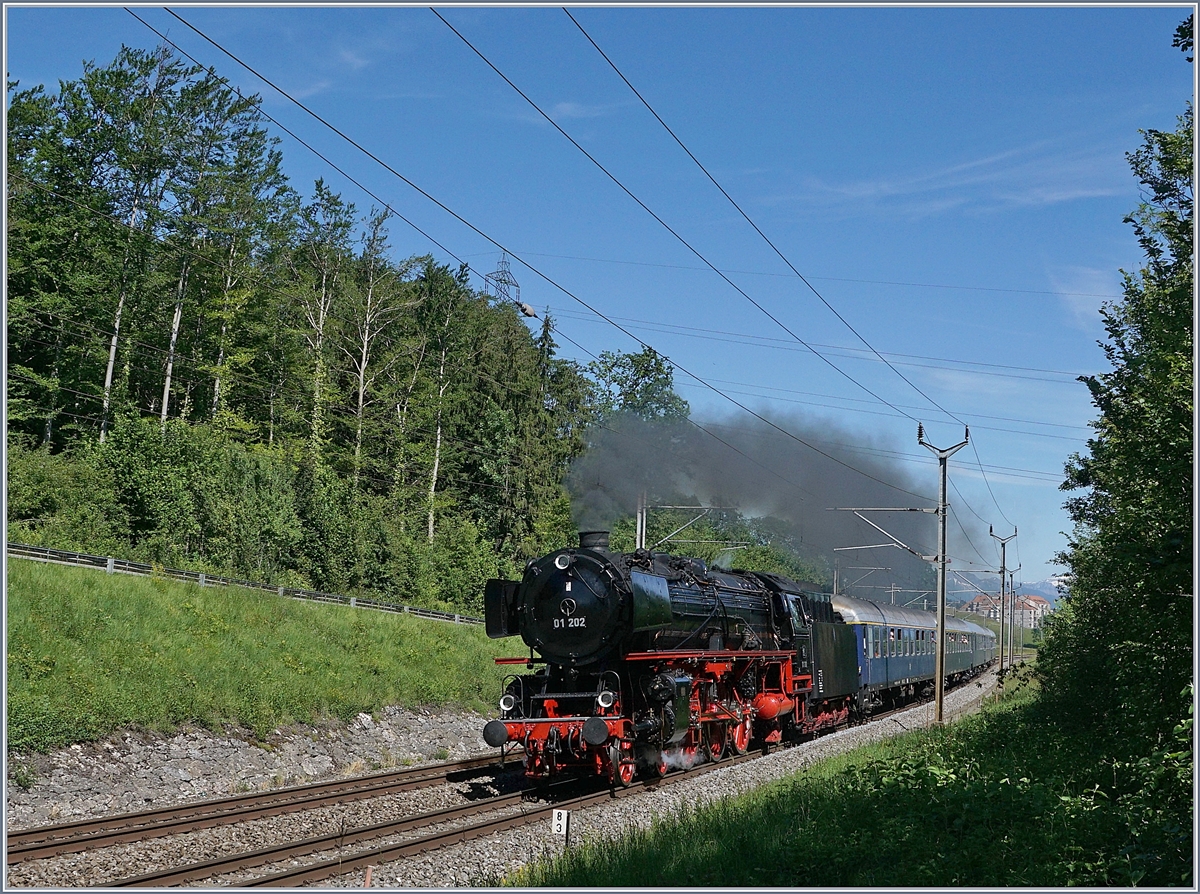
(65, 500)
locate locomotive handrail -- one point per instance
(125, 566)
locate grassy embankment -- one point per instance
(1005, 797)
(89, 653)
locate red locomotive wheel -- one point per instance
(740, 737)
(623, 766)
(658, 766)
(716, 739)
(689, 755)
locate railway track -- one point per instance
(518, 810)
(398, 838)
(70, 838)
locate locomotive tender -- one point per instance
(653, 661)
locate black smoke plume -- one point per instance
(740, 461)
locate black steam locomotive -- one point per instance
(651, 661)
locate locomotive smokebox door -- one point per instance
(499, 608)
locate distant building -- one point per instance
(986, 605)
(1030, 608)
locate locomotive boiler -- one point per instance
(651, 661)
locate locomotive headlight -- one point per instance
(562, 561)
(606, 698)
(507, 702)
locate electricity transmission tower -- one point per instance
(506, 286)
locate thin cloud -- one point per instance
(1035, 175)
(312, 90)
(579, 110)
(1078, 288)
(353, 60)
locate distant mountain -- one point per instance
(1050, 589)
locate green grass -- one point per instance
(89, 653)
(1004, 798)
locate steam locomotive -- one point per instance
(651, 661)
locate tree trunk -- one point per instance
(112, 347)
(48, 432)
(166, 399)
(317, 321)
(358, 430)
(216, 401)
(437, 443)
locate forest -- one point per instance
(208, 369)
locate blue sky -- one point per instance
(951, 180)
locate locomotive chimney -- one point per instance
(593, 539)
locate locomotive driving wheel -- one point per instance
(716, 737)
(623, 766)
(689, 754)
(739, 736)
(657, 766)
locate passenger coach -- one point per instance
(897, 650)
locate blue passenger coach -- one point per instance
(897, 649)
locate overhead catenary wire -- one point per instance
(780, 254)
(748, 219)
(705, 260)
(232, 375)
(539, 273)
(662, 222)
(869, 282)
(813, 403)
(788, 344)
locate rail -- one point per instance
(123, 566)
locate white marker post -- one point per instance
(560, 824)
